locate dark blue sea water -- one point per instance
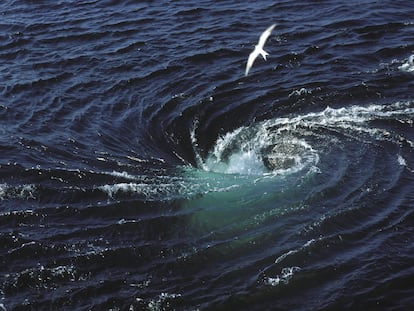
(141, 170)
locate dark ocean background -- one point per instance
(141, 170)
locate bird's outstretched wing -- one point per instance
(250, 60)
(265, 35)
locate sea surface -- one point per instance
(140, 169)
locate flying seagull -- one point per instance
(258, 49)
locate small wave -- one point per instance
(122, 175)
(147, 190)
(291, 252)
(300, 92)
(27, 192)
(41, 277)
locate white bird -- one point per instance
(258, 49)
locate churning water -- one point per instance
(140, 169)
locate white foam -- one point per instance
(64, 271)
(122, 175)
(25, 192)
(194, 142)
(222, 143)
(284, 276)
(291, 252)
(146, 189)
(161, 188)
(240, 151)
(300, 92)
(343, 117)
(401, 160)
(243, 162)
(162, 302)
(124, 221)
(408, 66)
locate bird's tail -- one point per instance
(264, 54)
